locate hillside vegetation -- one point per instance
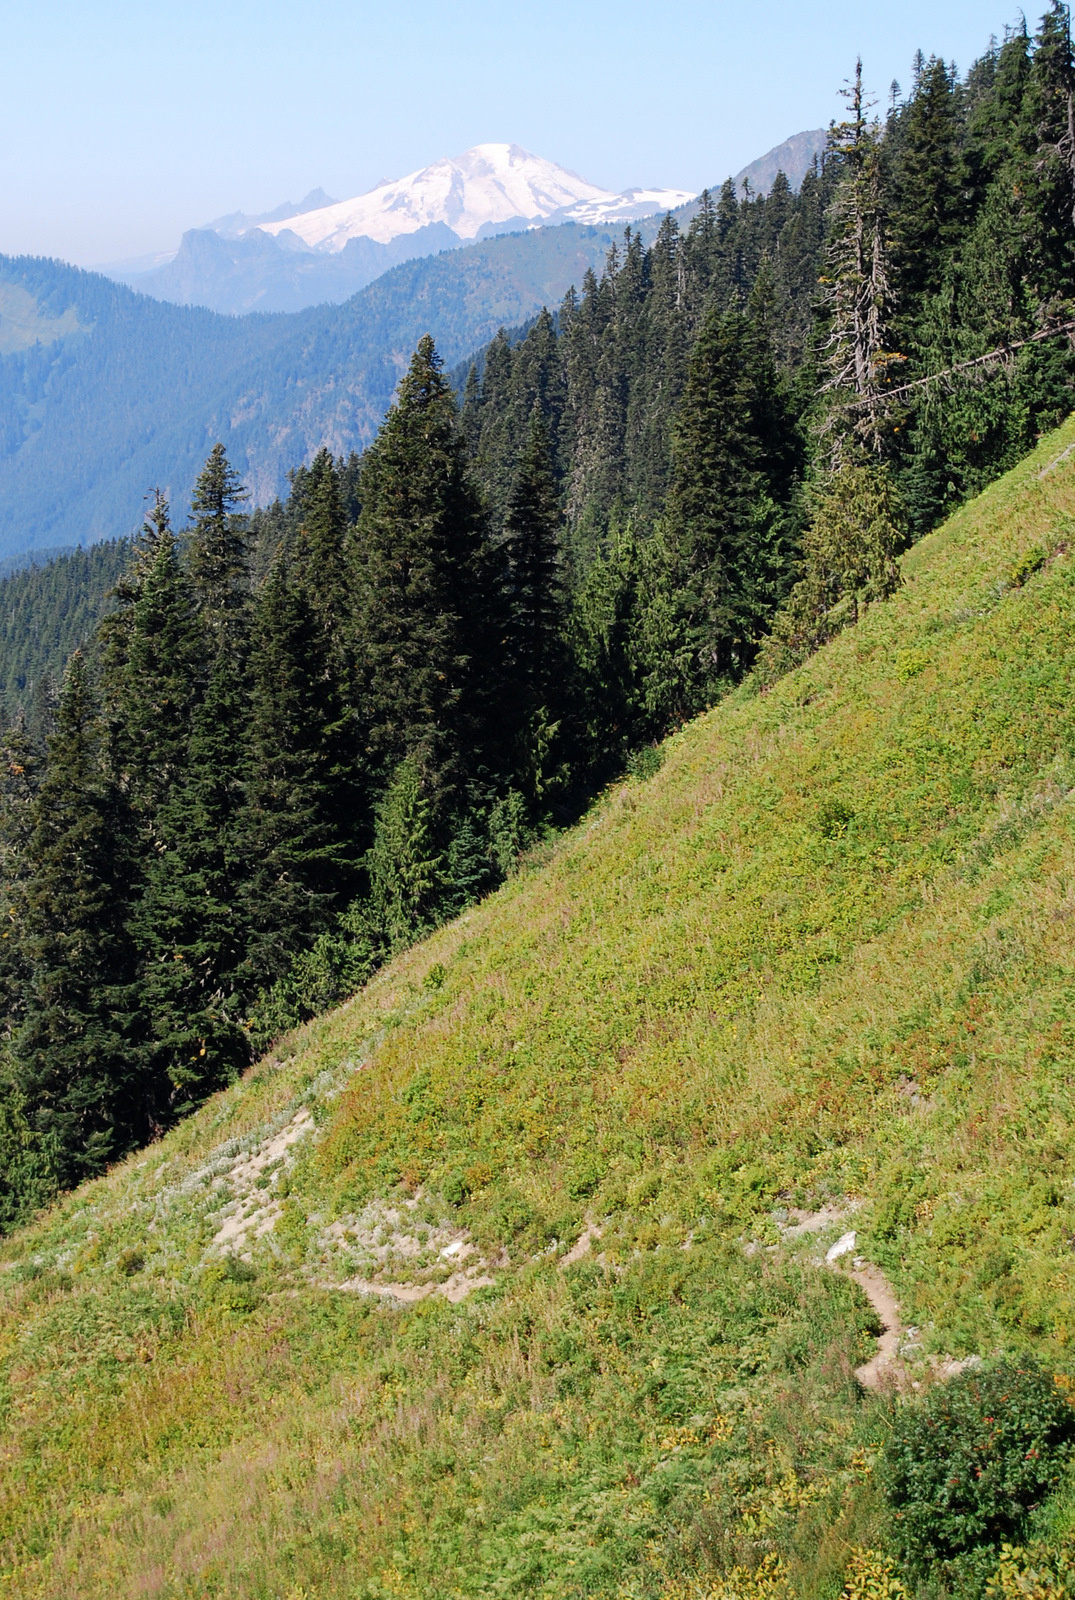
(323, 1339)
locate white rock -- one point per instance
(842, 1247)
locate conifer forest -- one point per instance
(298, 737)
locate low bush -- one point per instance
(966, 1465)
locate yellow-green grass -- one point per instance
(826, 955)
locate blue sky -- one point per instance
(122, 122)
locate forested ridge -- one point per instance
(48, 609)
(306, 735)
(119, 392)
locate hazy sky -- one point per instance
(122, 122)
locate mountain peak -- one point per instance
(484, 190)
(237, 223)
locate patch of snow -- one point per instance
(458, 1247)
(630, 206)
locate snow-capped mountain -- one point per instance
(320, 250)
(483, 191)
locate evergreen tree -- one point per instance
(219, 547)
(727, 534)
(295, 860)
(930, 182)
(152, 689)
(857, 289)
(608, 709)
(74, 1064)
(534, 570)
(115, 628)
(471, 413)
(849, 553)
(20, 776)
(188, 923)
(406, 866)
(1051, 110)
(322, 567)
(535, 615)
(423, 609)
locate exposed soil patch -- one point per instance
(396, 1250)
(454, 1288)
(801, 1223)
(254, 1210)
(581, 1247)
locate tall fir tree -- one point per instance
(21, 770)
(152, 691)
(297, 864)
(75, 1064)
(535, 573)
(424, 586)
(535, 614)
(219, 548)
(929, 182)
(188, 923)
(729, 536)
(321, 558)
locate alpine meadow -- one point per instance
(539, 967)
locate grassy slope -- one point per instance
(827, 952)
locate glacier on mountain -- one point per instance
(485, 190)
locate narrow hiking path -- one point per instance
(885, 1369)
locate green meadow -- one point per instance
(489, 1283)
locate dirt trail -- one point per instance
(885, 1370)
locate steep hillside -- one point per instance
(507, 1277)
(106, 394)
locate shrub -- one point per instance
(231, 1284)
(1026, 566)
(645, 762)
(1033, 1574)
(871, 1575)
(455, 1188)
(965, 1466)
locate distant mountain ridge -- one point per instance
(793, 158)
(105, 393)
(321, 251)
(254, 271)
(236, 223)
(119, 393)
